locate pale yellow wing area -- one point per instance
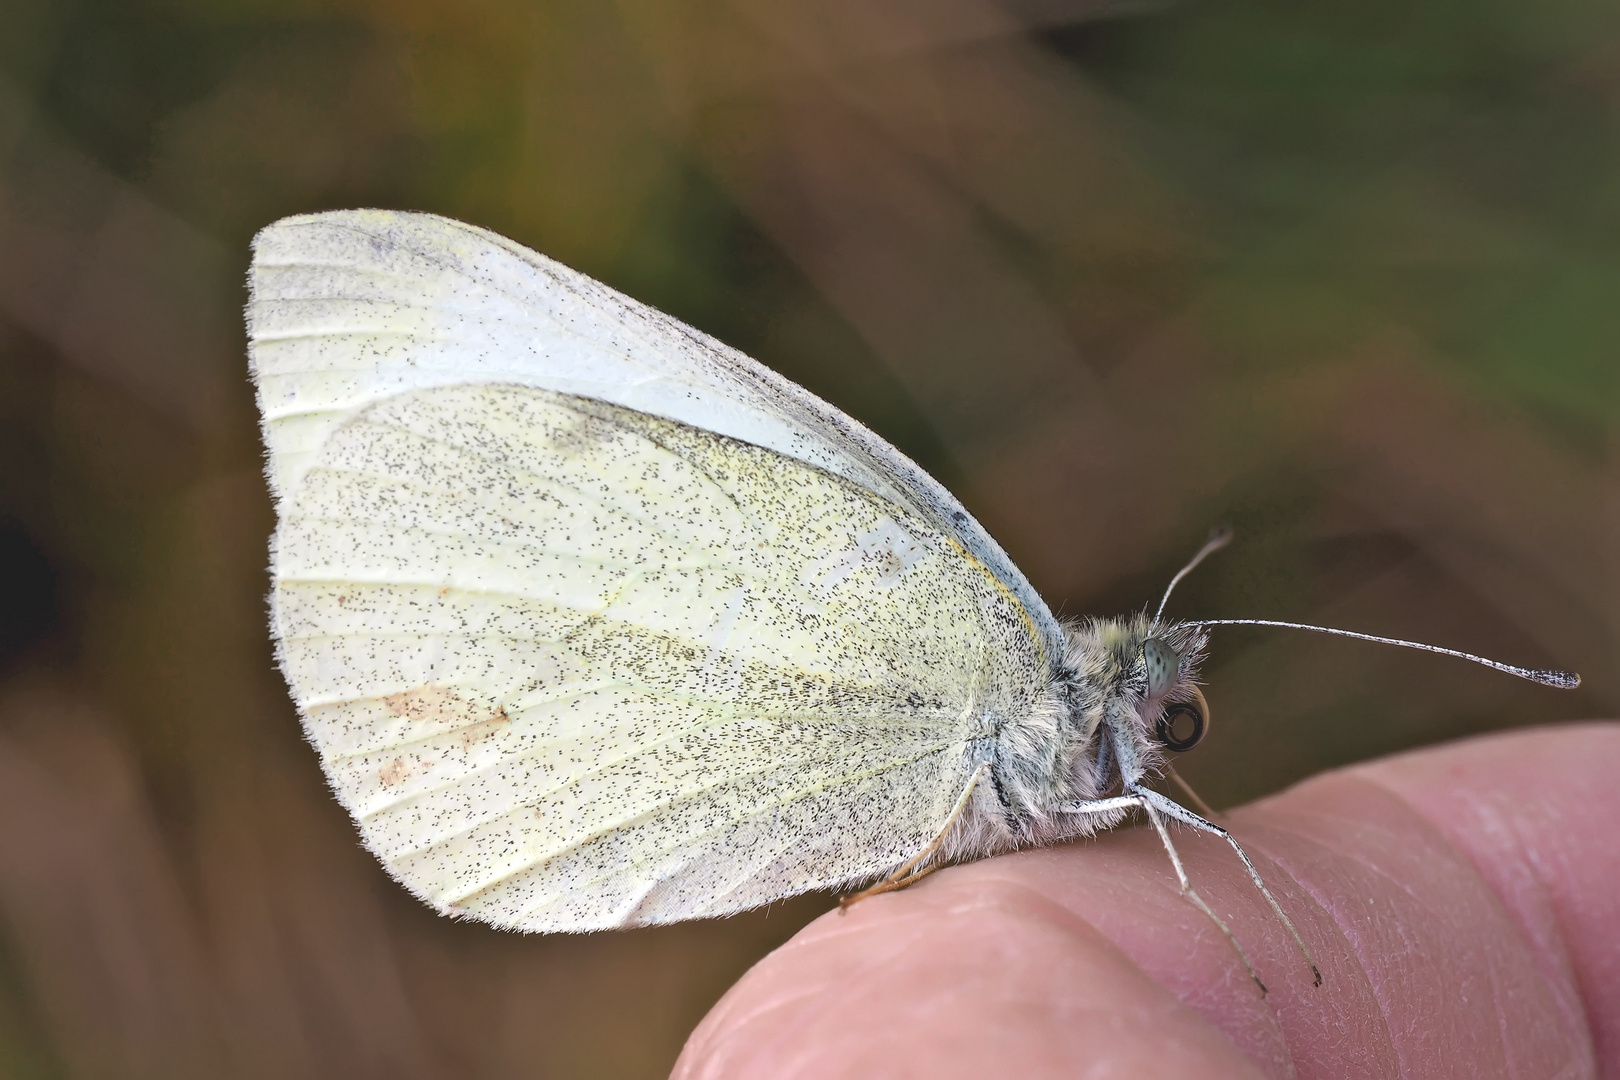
(349, 307)
(571, 666)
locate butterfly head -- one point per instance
(1132, 698)
(1143, 675)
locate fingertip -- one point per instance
(980, 976)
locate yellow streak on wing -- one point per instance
(1035, 634)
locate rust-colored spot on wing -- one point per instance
(394, 772)
(442, 705)
(477, 733)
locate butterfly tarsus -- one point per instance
(1191, 893)
(1155, 803)
(1134, 800)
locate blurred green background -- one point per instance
(1342, 276)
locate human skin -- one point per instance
(1463, 903)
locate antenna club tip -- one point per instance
(1563, 680)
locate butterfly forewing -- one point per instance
(350, 307)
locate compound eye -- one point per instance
(1163, 667)
(1183, 724)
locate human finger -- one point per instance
(1084, 959)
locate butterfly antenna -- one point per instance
(1218, 538)
(1562, 680)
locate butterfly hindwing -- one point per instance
(573, 666)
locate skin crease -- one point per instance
(1463, 903)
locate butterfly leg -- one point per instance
(1191, 893)
(1136, 798)
(1153, 802)
(907, 873)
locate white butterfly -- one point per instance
(596, 622)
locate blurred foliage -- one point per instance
(1342, 276)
